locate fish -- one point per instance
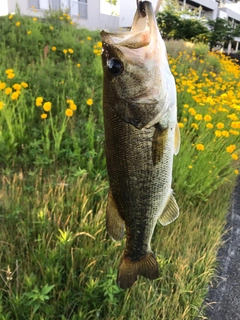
(141, 138)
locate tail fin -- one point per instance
(129, 270)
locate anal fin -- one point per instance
(114, 222)
(170, 212)
(130, 269)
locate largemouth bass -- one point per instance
(142, 135)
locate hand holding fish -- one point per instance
(142, 135)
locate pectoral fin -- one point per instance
(158, 144)
(170, 212)
(177, 140)
(114, 222)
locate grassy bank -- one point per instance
(56, 260)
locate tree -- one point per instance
(168, 23)
(190, 29)
(221, 31)
(173, 26)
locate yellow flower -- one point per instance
(17, 86)
(39, 101)
(1, 105)
(192, 111)
(235, 156)
(180, 125)
(34, 19)
(29, 32)
(236, 171)
(209, 125)
(10, 16)
(78, 65)
(61, 18)
(70, 50)
(225, 133)
(73, 106)
(232, 116)
(44, 115)
(71, 22)
(65, 51)
(231, 148)
(11, 75)
(198, 116)
(54, 48)
(99, 44)
(47, 106)
(218, 133)
(234, 132)
(2, 85)
(18, 23)
(89, 38)
(89, 102)
(15, 95)
(200, 147)
(24, 85)
(207, 117)
(195, 126)
(69, 112)
(51, 28)
(220, 125)
(8, 90)
(190, 167)
(186, 106)
(8, 71)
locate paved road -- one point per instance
(223, 299)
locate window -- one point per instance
(79, 8)
(45, 4)
(55, 4)
(33, 3)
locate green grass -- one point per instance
(53, 233)
(56, 259)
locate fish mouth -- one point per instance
(143, 31)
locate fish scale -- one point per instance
(141, 136)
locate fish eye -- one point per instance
(115, 66)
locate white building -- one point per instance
(100, 14)
(91, 14)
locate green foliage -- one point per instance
(171, 6)
(34, 49)
(222, 31)
(192, 29)
(201, 50)
(37, 297)
(168, 23)
(172, 25)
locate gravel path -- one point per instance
(223, 300)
